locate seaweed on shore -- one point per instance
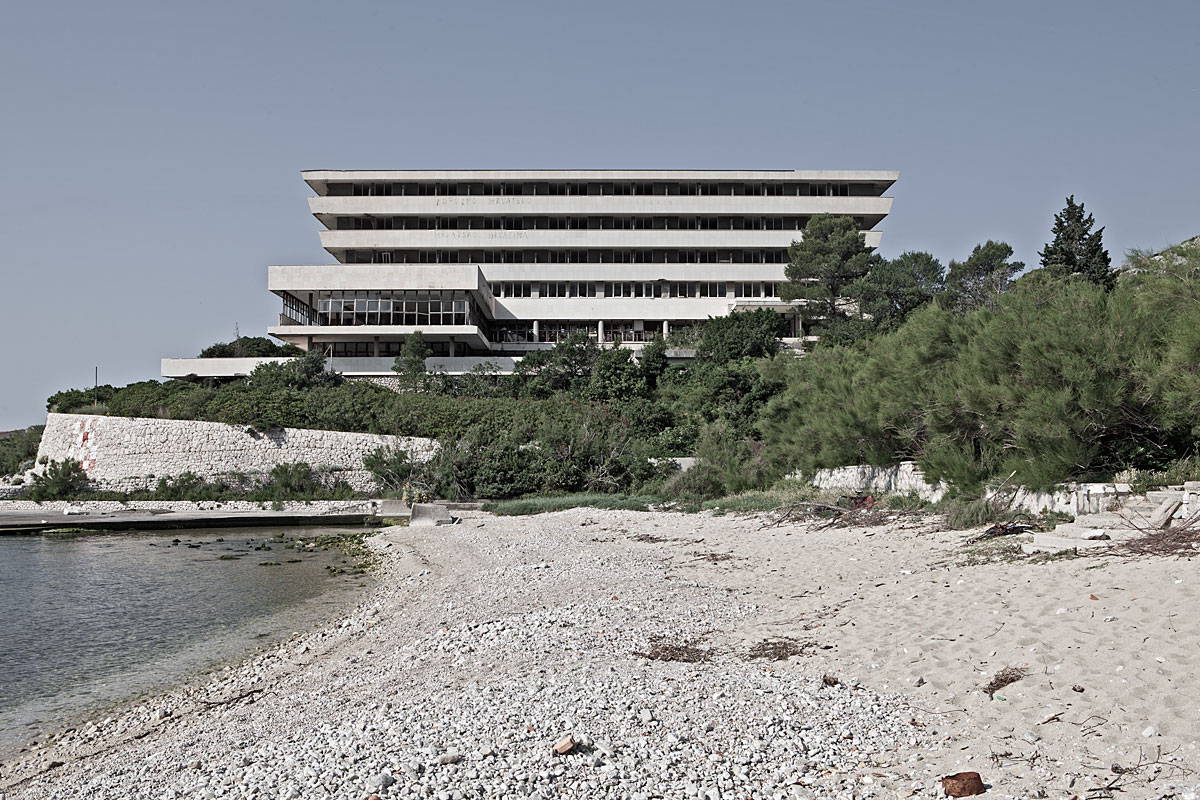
(1004, 677)
(779, 649)
(687, 652)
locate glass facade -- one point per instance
(409, 307)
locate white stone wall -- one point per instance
(125, 453)
(906, 477)
(903, 479)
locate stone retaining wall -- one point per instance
(59, 508)
(127, 453)
(903, 478)
(906, 478)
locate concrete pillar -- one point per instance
(600, 331)
(666, 329)
(375, 347)
(536, 332)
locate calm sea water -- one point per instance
(89, 621)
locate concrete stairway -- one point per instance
(1137, 516)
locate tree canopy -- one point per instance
(832, 255)
(895, 288)
(1076, 249)
(410, 364)
(979, 281)
(250, 347)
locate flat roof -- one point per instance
(878, 176)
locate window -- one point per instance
(629, 289)
(299, 312)
(712, 289)
(516, 289)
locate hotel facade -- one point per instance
(489, 265)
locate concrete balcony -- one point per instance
(610, 308)
(634, 272)
(304, 335)
(213, 367)
(340, 241)
(191, 368)
(343, 277)
(326, 209)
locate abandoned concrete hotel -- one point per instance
(489, 265)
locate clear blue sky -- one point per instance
(153, 150)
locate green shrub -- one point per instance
(962, 514)
(250, 347)
(60, 480)
(743, 334)
(297, 481)
(701, 482)
(390, 466)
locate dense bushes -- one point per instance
(59, 480)
(1060, 380)
(585, 448)
(250, 347)
(18, 449)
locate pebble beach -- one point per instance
(593, 653)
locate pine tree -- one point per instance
(410, 364)
(1076, 250)
(979, 281)
(832, 255)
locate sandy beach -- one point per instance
(688, 656)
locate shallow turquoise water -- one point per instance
(89, 621)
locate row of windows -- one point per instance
(558, 289)
(395, 308)
(592, 256)
(556, 331)
(603, 188)
(378, 349)
(623, 223)
(299, 312)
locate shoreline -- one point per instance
(26, 517)
(655, 639)
(188, 667)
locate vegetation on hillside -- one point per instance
(250, 347)
(973, 370)
(18, 450)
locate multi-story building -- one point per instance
(490, 264)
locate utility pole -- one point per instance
(96, 388)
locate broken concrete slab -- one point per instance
(1165, 512)
(429, 514)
